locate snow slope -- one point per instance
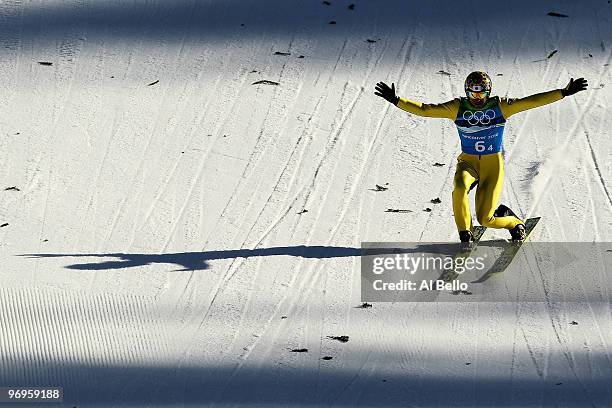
(157, 253)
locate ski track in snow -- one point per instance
(155, 255)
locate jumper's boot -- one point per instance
(518, 233)
(466, 237)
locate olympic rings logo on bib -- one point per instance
(479, 117)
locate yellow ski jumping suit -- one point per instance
(484, 164)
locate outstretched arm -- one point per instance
(511, 106)
(440, 110)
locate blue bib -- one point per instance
(481, 130)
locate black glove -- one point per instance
(384, 91)
(574, 86)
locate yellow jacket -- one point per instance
(508, 106)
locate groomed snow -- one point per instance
(158, 254)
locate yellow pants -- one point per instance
(488, 170)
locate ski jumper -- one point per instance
(481, 132)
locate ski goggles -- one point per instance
(478, 94)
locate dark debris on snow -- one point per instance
(265, 82)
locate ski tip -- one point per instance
(530, 223)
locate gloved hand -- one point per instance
(384, 91)
(572, 87)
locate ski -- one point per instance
(449, 274)
(509, 252)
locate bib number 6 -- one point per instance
(480, 147)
